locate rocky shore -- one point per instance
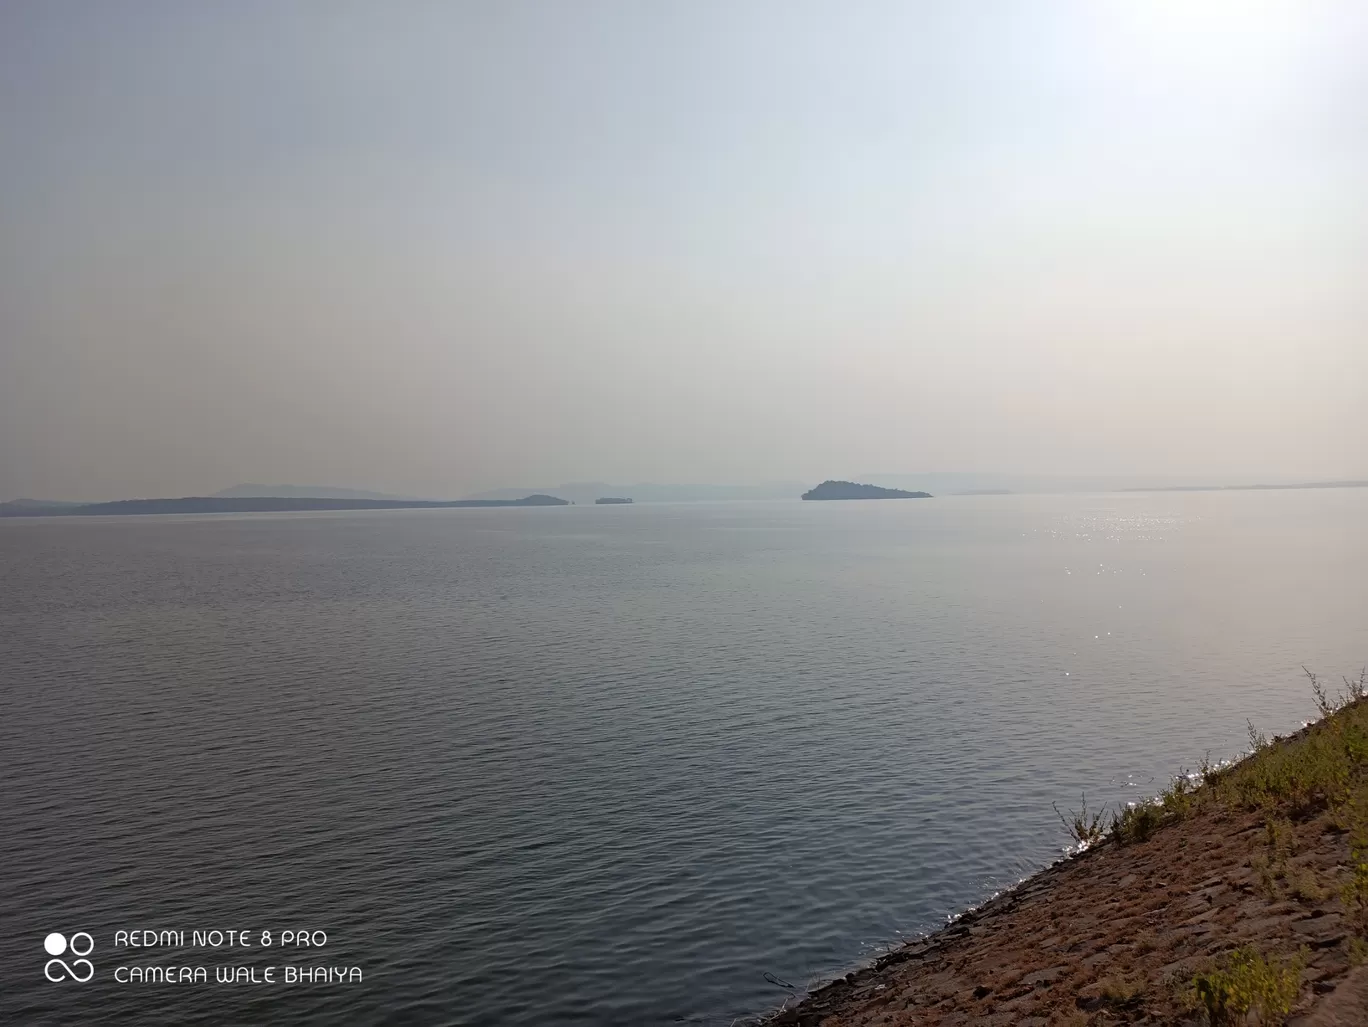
(1243, 899)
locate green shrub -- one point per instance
(1135, 823)
(1308, 774)
(1244, 981)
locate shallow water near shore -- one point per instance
(612, 765)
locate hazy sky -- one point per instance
(438, 247)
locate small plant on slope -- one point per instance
(1085, 829)
(1179, 797)
(1355, 892)
(1246, 982)
(1137, 822)
(1357, 688)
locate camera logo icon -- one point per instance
(81, 969)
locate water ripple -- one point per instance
(560, 767)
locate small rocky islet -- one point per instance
(853, 490)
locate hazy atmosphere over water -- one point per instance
(436, 248)
(625, 734)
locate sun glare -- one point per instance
(1218, 39)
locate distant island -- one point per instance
(852, 490)
(253, 504)
(610, 501)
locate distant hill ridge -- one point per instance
(249, 491)
(37, 504)
(650, 492)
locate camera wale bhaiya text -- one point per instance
(187, 971)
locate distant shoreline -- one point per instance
(262, 504)
(284, 504)
(1252, 488)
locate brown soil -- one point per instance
(1115, 935)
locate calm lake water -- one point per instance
(612, 765)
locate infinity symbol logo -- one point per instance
(56, 944)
